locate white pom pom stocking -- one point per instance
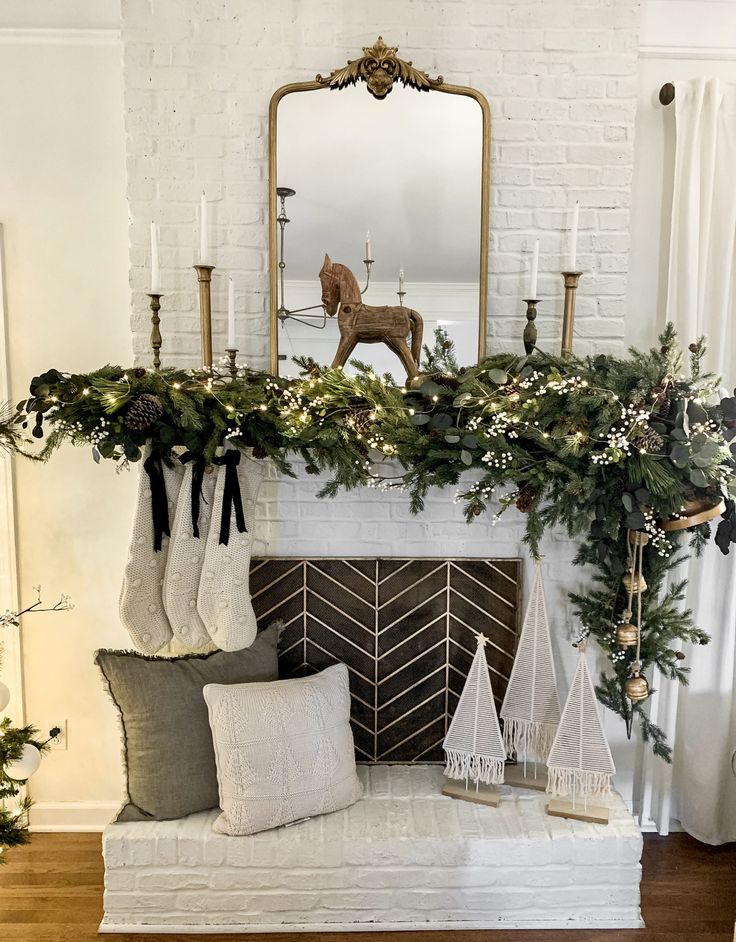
(224, 594)
(187, 552)
(141, 597)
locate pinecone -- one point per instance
(445, 379)
(143, 411)
(259, 452)
(651, 440)
(526, 497)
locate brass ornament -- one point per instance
(637, 688)
(694, 513)
(638, 538)
(634, 583)
(627, 635)
(379, 67)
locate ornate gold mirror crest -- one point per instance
(380, 68)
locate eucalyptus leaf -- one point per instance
(430, 389)
(698, 478)
(696, 413)
(499, 377)
(442, 420)
(628, 501)
(466, 457)
(680, 456)
(642, 495)
(452, 439)
(420, 418)
(470, 441)
(635, 520)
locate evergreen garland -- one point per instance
(595, 446)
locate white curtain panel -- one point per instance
(700, 300)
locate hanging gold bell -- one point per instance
(637, 688)
(627, 635)
(634, 583)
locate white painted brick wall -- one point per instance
(403, 854)
(560, 76)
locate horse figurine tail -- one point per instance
(417, 333)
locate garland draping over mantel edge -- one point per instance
(598, 446)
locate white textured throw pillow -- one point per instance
(284, 750)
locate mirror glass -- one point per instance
(407, 171)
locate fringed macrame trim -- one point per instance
(475, 768)
(527, 738)
(576, 782)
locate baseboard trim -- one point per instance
(109, 925)
(49, 816)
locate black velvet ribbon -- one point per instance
(159, 501)
(197, 479)
(231, 498)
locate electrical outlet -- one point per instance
(60, 741)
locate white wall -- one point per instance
(62, 205)
(680, 39)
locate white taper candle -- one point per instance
(533, 274)
(368, 245)
(204, 248)
(573, 247)
(230, 315)
(155, 270)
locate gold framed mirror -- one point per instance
(382, 191)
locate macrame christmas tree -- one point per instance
(473, 744)
(580, 763)
(531, 706)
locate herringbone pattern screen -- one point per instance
(403, 628)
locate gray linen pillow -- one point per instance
(168, 752)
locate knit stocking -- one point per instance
(187, 552)
(141, 600)
(224, 596)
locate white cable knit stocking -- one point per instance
(141, 597)
(186, 559)
(224, 593)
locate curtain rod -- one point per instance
(667, 93)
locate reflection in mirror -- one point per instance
(390, 192)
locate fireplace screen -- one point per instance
(402, 627)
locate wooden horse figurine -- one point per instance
(363, 323)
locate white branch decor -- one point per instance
(580, 763)
(473, 744)
(531, 706)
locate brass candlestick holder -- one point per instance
(156, 329)
(568, 318)
(232, 354)
(530, 330)
(204, 274)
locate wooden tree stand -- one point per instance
(515, 776)
(483, 795)
(578, 810)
